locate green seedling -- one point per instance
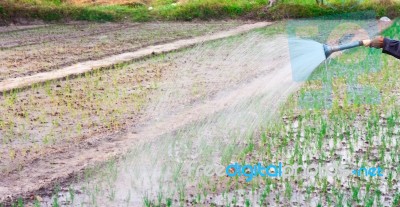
(355, 190)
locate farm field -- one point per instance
(186, 167)
(162, 94)
(166, 129)
(31, 132)
(47, 48)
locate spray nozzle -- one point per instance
(331, 49)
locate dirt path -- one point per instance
(80, 68)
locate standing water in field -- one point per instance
(305, 56)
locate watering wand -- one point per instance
(331, 49)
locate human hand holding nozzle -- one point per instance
(388, 46)
(375, 43)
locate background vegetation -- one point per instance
(145, 10)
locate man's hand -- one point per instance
(367, 43)
(376, 43)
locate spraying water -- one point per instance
(212, 98)
(305, 56)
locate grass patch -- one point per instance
(209, 9)
(55, 10)
(299, 10)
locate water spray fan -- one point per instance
(331, 49)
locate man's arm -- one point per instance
(391, 47)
